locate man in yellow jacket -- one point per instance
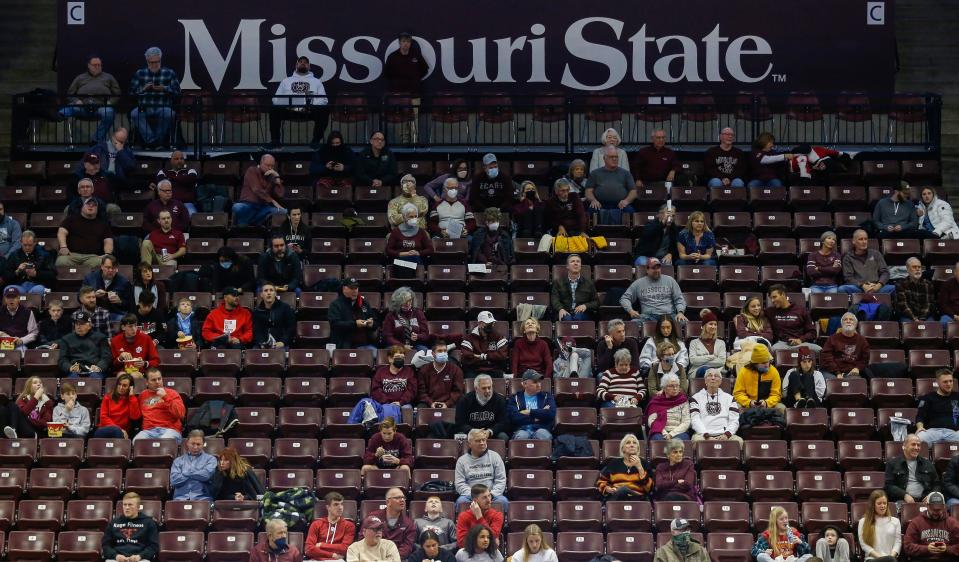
(758, 384)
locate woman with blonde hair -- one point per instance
(752, 322)
(696, 243)
(626, 477)
(610, 138)
(535, 548)
(780, 541)
(29, 414)
(880, 534)
(234, 478)
(531, 351)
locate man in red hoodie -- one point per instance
(330, 536)
(792, 326)
(229, 325)
(932, 535)
(162, 409)
(133, 351)
(480, 512)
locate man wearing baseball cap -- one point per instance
(492, 187)
(372, 547)
(532, 412)
(483, 351)
(229, 325)
(933, 534)
(16, 321)
(353, 322)
(681, 547)
(84, 351)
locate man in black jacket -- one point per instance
(279, 267)
(659, 238)
(482, 409)
(375, 165)
(909, 477)
(132, 536)
(273, 320)
(353, 321)
(30, 268)
(950, 482)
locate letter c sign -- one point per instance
(75, 13)
(875, 13)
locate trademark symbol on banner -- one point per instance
(75, 13)
(779, 78)
(875, 13)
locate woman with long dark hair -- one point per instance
(234, 478)
(119, 409)
(479, 546)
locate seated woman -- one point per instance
(409, 242)
(119, 410)
(480, 546)
(460, 171)
(143, 282)
(610, 138)
(767, 164)
(404, 325)
(492, 243)
(824, 268)
(626, 477)
(430, 551)
(804, 386)
(696, 243)
(831, 546)
(333, 164)
(936, 216)
(388, 450)
(667, 414)
(676, 476)
(234, 478)
(184, 329)
(780, 540)
(531, 351)
(28, 415)
(393, 387)
(666, 330)
(535, 548)
(296, 233)
(665, 365)
(707, 351)
(528, 212)
(621, 386)
(752, 322)
(880, 534)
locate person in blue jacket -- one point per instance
(532, 412)
(192, 472)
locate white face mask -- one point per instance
(451, 193)
(412, 222)
(492, 172)
(493, 226)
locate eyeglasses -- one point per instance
(397, 498)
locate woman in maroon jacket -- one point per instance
(531, 351)
(395, 383)
(409, 242)
(404, 325)
(29, 414)
(676, 476)
(824, 268)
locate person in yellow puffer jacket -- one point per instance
(758, 384)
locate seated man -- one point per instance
(280, 267)
(611, 187)
(132, 350)
(92, 184)
(932, 534)
(165, 202)
(372, 547)
(659, 238)
(192, 472)
(916, 296)
(276, 547)
(274, 323)
(29, 268)
(114, 291)
(574, 298)
(681, 545)
(479, 465)
(330, 536)
(93, 94)
(388, 450)
(18, 321)
(792, 326)
(183, 181)
(407, 196)
(483, 351)
(375, 164)
(950, 482)
(483, 409)
(492, 187)
(99, 316)
(84, 351)
(480, 512)
(450, 210)
(352, 320)
(156, 88)
(439, 383)
(131, 536)
(83, 238)
(936, 420)
(229, 325)
(863, 269)
(164, 245)
(398, 526)
(713, 413)
(300, 95)
(895, 216)
(614, 340)
(162, 409)
(725, 164)
(909, 477)
(532, 412)
(117, 160)
(434, 519)
(657, 162)
(655, 294)
(259, 197)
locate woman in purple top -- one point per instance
(767, 164)
(824, 267)
(459, 170)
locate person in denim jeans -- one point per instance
(93, 94)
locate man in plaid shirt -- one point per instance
(915, 296)
(156, 88)
(99, 316)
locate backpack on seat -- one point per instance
(215, 417)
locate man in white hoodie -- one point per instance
(300, 97)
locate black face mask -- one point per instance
(488, 329)
(530, 194)
(398, 363)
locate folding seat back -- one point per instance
(295, 452)
(18, 452)
(423, 475)
(40, 514)
(530, 484)
(859, 455)
(300, 422)
(522, 514)
(723, 485)
(99, 483)
(818, 485)
(108, 452)
(579, 515)
(630, 546)
(13, 482)
(61, 452)
(629, 516)
(726, 516)
(30, 545)
(730, 547)
(807, 423)
(87, 514)
(848, 392)
(155, 453)
(286, 478)
(341, 453)
(80, 545)
(52, 483)
(770, 455)
(256, 450)
(186, 515)
(853, 423)
(304, 391)
(718, 454)
(860, 484)
(150, 483)
(770, 485)
(226, 546)
(665, 511)
(579, 546)
(346, 481)
(184, 546)
(818, 514)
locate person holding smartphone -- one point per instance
(932, 534)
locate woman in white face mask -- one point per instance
(492, 243)
(409, 243)
(461, 171)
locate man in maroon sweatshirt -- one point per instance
(932, 535)
(439, 383)
(791, 323)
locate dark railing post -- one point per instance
(198, 132)
(754, 126)
(934, 120)
(569, 125)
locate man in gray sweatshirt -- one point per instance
(864, 269)
(435, 520)
(93, 94)
(479, 465)
(656, 294)
(895, 216)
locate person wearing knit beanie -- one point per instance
(758, 384)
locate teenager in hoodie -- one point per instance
(298, 95)
(333, 164)
(131, 533)
(229, 325)
(330, 536)
(434, 519)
